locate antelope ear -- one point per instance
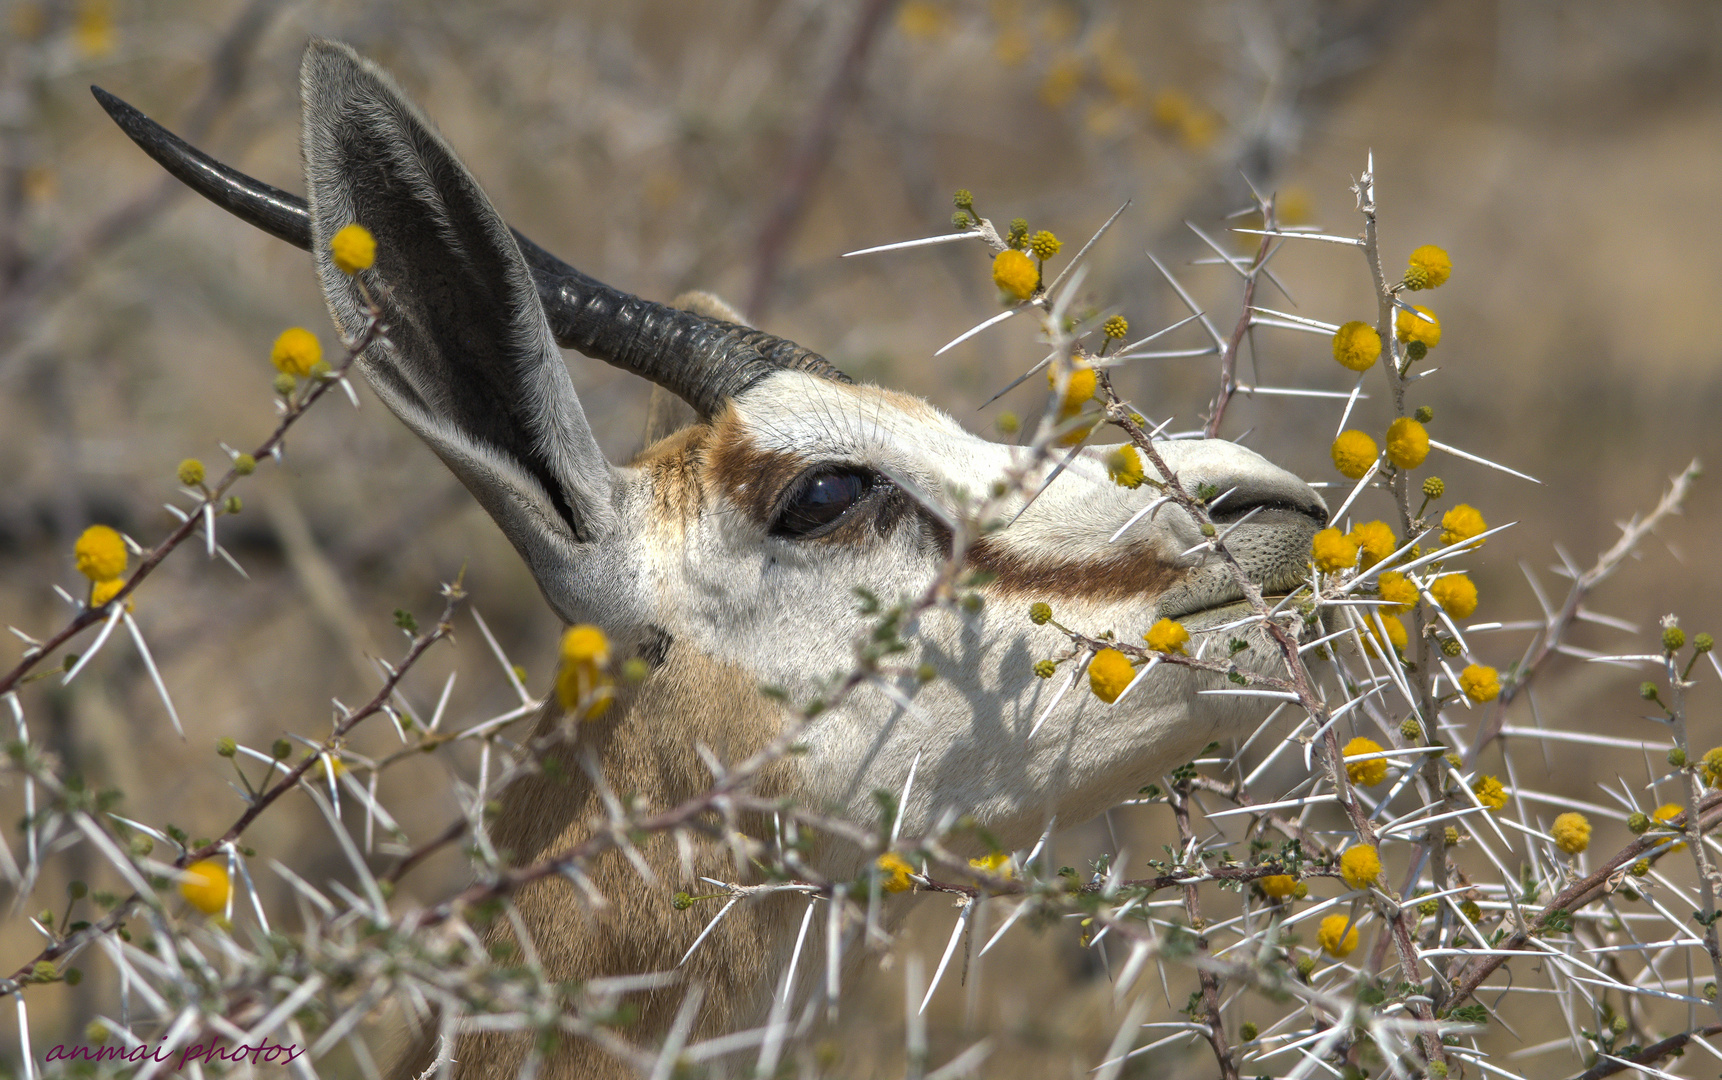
(466, 358)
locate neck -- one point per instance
(645, 750)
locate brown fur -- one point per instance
(1137, 570)
(646, 749)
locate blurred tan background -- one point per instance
(1567, 153)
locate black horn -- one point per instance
(703, 361)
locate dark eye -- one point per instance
(818, 501)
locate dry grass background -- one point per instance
(1568, 153)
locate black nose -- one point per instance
(1228, 507)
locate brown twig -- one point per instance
(1632, 534)
(1229, 360)
(1585, 890)
(811, 155)
(420, 645)
(228, 67)
(195, 517)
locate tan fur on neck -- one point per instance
(646, 747)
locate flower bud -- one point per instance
(1637, 823)
(191, 472)
(1673, 638)
(1040, 613)
(226, 747)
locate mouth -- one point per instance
(1227, 611)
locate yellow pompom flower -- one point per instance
(1278, 886)
(897, 871)
(1408, 327)
(100, 553)
(1711, 767)
(206, 886)
(1460, 524)
(1480, 683)
(1167, 636)
(585, 677)
(996, 863)
(1015, 274)
(1398, 590)
(103, 591)
(296, 352)
(1489, 792)
(1367, 773)
(354, 249)
(1115, 327)
(1109, 673)
(1456, 595)
(1571, 832)
(1338, 936)
(1360, 866)
(1375, 541)
(1124, 465)
(1077, 392)
(1044, 245)
(1357, 346)
(1665, 814)
(1396, 635)
(1407, 443)
(1333, 551)
(1428, 268)
(1353, 454)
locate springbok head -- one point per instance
(742, 539)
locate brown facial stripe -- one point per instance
(751, 480)
(1136, 571)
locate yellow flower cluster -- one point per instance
(1665, 815)
(1338, 936)
(1015, 274)
(1375, 541)
(1571, 832)
(1408, 327)
(1456, 595)
(1480, 683)
(1278, 886)
(1044, 244)
(1489, 792)
(1115, 327)
(1167, 636)
(1428, 268)
(1109, 673)
(1711, 767)
(1396, 635)
(206, 886)
(1398, 590)
(583, 686)
(996, 863)
(1460, 524)
(1360, 866)
(354, 248)
(896, 873)
(1366, 773)
(1407, 443)
(1357, 346)
(1077, 393)
(1124, 465)
(1333, 551)
(1353, 454)
(100, 553)
(296, 352)
(103, 591)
